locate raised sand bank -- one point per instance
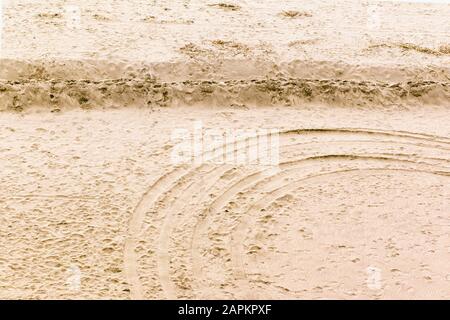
(56, 86)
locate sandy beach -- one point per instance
(133, 139)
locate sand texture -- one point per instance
(93, 205)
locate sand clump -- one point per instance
(226, 6)
(46, 15)
(194, 51)
(304, 42)
(233, 47)
(443, 49)
(153, 19)
(101, 17)
(295, 14)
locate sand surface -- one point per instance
(94, 206)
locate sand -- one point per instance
(355, 205)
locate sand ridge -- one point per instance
(51, 95)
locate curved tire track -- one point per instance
(161, 188)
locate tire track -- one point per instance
(158, 189)
(170, 180)
(256, 180)
(162, 250)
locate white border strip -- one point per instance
(417, 1)
(1, 26)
